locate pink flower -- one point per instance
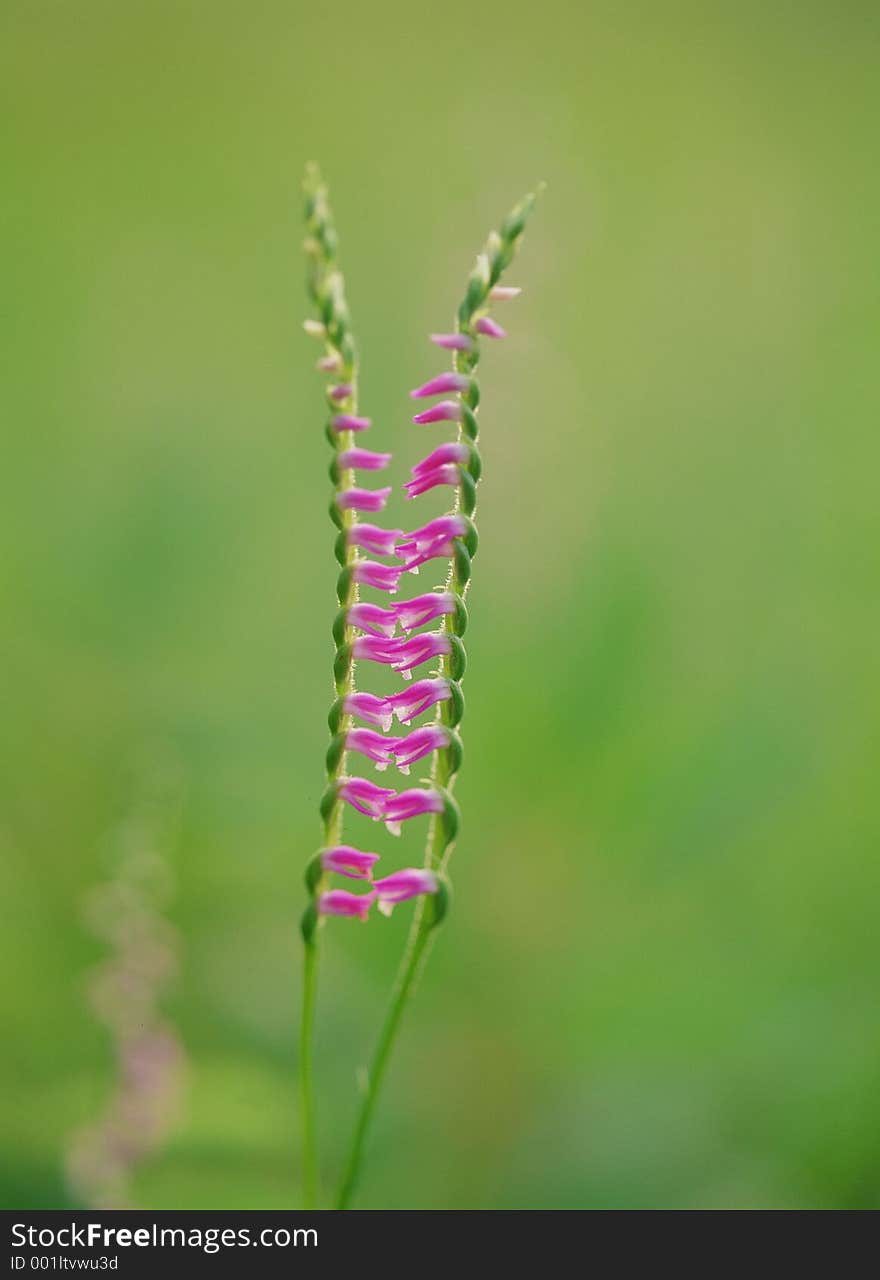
(421, 609)
(453, 341)
(345, 860)
(431, 540)
(488, 327)
(369, 537)
(341, 392)
(419, 743)
(504, 292)
(452, 451)
(442, 411)
(366, 706)
(410, 883)
(375, 746)
(415, 650)
(365, 459)
(355, 499)
(339, 902)
(410, 804)
(329, 364)
(372, 618)
(369, 573)
(426, 480)
(375, 649)
(411, 702)
(364, 796)
(441, 384)
(350, 422)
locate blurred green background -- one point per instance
(658, 986)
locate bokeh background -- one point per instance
(658, 987)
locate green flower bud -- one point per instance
(335, 716)
(457, 658)
(328, 801)
(469, 424)
(335, 752)
(309, 924)
(343, 585)
(342, 666)
(454, 753)
(314, 872)
(468, 490)
(471, 539)
(339, 627)
(475, 464)
(459, 617)
(450, 818)
(461, 564)
(454, 707)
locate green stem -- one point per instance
(306, 1085)
(378, 1066)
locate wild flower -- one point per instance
(364, 631)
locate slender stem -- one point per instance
(403, 989)
(306, 1085)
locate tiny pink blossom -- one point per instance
(415, 650)
(356, 499)
(486, 325)
(372, 618)
(375, 746)
(350, 422)
(452, 341)
(369, 537)
(314, 328)
(442, 411)
(411, 702)
(341, 392)
(504, 292)
(410, 804)
(426, 480)
(421, 609)
(329, 364)
(430, 541)
(345, 860)
(375, 649)
(369, 573)
(366, 706)
(440, 385)
(410, 883)
(452, 451)
(364, 796)
(339, 902)
(364, 459)
(419, 743)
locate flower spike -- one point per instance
(361, 722)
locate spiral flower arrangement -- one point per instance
(391, 634)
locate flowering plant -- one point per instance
(390, 634)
